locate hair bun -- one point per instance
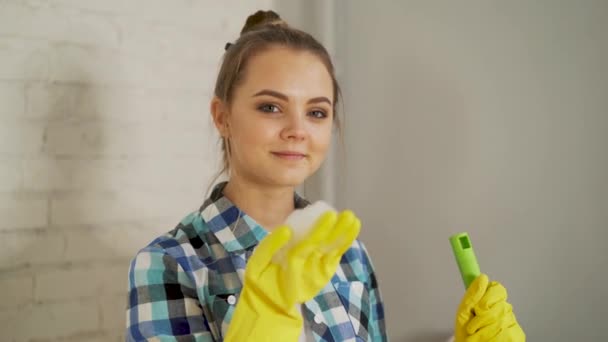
(262, 18)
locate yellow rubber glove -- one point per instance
(326, 249)
(267, 308)
(485, 315)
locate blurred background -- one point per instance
(483, 116)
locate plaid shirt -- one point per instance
(185, 284)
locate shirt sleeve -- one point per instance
(163, 304)
(376, 328)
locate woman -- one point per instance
(217, 276)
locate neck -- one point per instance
(267, 205)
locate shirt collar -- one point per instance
(234, 229)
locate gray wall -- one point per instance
(488, 117)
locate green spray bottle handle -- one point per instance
(465, 257)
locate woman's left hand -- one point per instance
(485, 315)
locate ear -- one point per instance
(219, 113)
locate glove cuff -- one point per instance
(255, 320)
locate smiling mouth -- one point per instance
(289, 155)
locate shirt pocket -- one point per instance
(355, 298)
(223, 305)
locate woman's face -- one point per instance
(280, 121)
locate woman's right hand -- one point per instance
(312, 263)
(272, 289)
(309, 265)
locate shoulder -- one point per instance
(356, 262)
(178, 248)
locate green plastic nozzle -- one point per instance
(465, 257)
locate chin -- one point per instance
(290, 181)
(290, 178)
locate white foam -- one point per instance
(302, 220)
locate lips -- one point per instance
(289, 155)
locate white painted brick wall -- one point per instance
(21, 289)
(42, 320)
(105, 142)
(23, 213)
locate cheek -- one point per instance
(252, 135)
(322, 139)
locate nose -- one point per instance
(295, 127)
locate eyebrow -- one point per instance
(284, 97)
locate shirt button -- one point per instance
(231, 300)
(318, 319)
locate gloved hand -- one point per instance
(267, 308)
(326, 247)
(485, 315)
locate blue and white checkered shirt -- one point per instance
(185, 284)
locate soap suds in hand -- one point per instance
(301, 222)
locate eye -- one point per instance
(318, 114)
(268, 108)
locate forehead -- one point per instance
(292, 72)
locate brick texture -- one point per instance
(105, 143)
